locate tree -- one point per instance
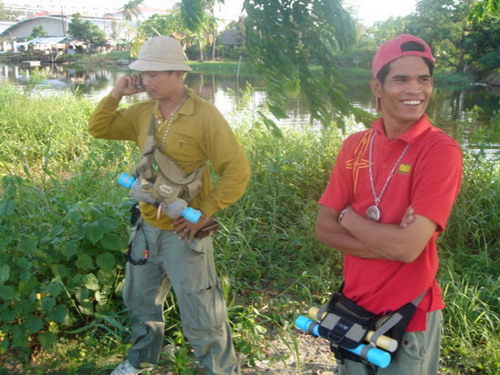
(37, 31)
(86, 31)
(173, 25)
(170, 25)
(483, 9)
(131, 9)
(482, 45)
(198, 16)
(442, 23)
(293, 44)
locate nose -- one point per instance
(414, 86)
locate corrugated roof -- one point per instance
(48, 40)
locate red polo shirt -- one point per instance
(427, 178)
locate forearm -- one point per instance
(333, 235)
(107, 122)
(390, 241)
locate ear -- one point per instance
(376, 87)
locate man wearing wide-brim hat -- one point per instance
(168, 252)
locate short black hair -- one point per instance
(408, 46)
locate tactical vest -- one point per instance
(162, 177)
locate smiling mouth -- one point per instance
(412, 102)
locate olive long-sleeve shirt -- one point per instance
(198, 135)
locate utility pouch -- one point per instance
(172, 182)
(347, 324)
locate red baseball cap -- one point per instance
(393, 50)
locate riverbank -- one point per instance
(352, 75)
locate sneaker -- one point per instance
(126, 368)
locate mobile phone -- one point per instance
(140, 85)
(208, 229)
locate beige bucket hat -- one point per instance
(161, 53)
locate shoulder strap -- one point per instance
(149, 144)
(403, 312)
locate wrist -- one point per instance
(342, 214)
(116, 94)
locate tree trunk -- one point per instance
(200, 44)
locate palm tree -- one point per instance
(131, 9)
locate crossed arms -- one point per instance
(363, 238)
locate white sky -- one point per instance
(366, 11)
(369, 11)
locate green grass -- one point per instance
(63, 224)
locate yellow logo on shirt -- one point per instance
(404, 168)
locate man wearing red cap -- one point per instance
(389, 195)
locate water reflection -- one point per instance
(448, 107)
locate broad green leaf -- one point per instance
(25, 275)
(94, 232)
(106, 261)
(4, 345)
(84, 262)
(81, 294)
(69, 249)
(58, 314)
(47, 339)
(26, 287)
(7, 316)
(86, 308)
(27, 245)
(90, 281)
(7, 208)
(74, 215)
(109, 225)
(4, 273)
(20, 340)
(59, 270)
(33, 325)
(54, 289)
(5, 242)
(7, 293)
(48, 303)
(113, 242)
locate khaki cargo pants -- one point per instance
(190, 270)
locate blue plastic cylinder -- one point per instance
(376, 356)
(126, 180)
(190, 214)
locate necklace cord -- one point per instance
(378, 198)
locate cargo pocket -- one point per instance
(205, 308)
(413, 345)
(199, 246)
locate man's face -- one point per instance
(162, 85)
(406, 91)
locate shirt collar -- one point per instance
(409, 136)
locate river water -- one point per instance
(450, 108)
